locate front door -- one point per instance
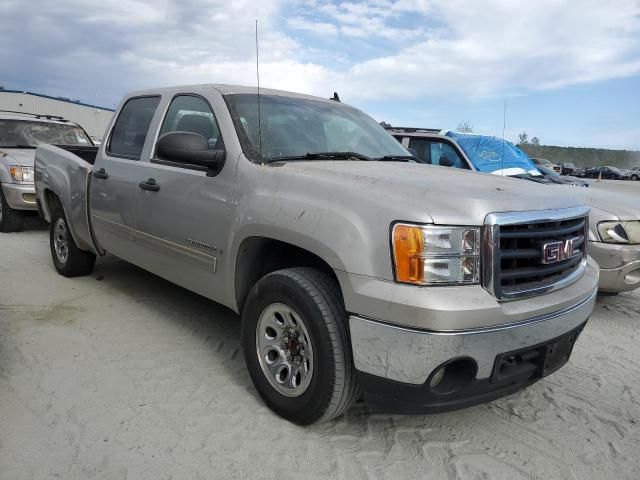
(183, 222)
(114, 189)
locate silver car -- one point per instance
(20, 134)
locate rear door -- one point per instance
(114, 186)
(184, 224)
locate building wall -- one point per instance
(93, 119)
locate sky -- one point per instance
(569, 71)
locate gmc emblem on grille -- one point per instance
(554, 252)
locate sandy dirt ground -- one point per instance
(121, 375)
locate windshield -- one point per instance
(292, 127)
(30, 134)
(494, 155)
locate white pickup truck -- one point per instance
(353, 268)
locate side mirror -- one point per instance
(190, 148)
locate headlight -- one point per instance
(620, 232)
(21, 174)
(435, 255)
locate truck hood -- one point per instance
(446, 195)
(20, 156)
(606, 205)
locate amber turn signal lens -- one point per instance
(408, 248)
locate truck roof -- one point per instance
(224, 89)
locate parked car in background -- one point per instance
(547, 163)
(562, 179)
(610, 173)
(20, 134)
(567, 168)
(354, 268)
(614, 219)
(634, 173)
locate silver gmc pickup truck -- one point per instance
(354, 269)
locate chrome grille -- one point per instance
(530, 253)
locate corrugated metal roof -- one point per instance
(59, 99)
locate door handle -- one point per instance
(150, 185)
(101, 174)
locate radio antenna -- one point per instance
(504, 127)
(258, 80)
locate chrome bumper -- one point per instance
(409, 356)
(20, 196)
(619, 266)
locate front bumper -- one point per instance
(20, 196)
(396, 365)
(512, 371)
(619, 266)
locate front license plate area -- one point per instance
(557, 353)
(534, 362)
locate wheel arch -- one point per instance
(259, 255)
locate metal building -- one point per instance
(92, 118)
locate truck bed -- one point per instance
(88, 154)
(65, 172)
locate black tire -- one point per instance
(76, 262)
(10, 220)
(634, 178)
(317, 300)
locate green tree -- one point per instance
(535, 141)
(523, 138)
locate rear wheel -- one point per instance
(296, 345)
(68, 259)
(635, 177)
(10, 220)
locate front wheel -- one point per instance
(68, 259)
(296, 345)
(634, 178)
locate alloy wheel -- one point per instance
(284, 349)
(61, 241)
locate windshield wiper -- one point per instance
(17, 146)
(533, 178)
(322, 156)
(397, 158)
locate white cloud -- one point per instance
(79, 49)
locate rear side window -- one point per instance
(131, 128)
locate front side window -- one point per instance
(435, 152)
(189, 113)
(291, 127)
(30, 134)
(131, 128)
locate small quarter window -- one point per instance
(131, 128)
